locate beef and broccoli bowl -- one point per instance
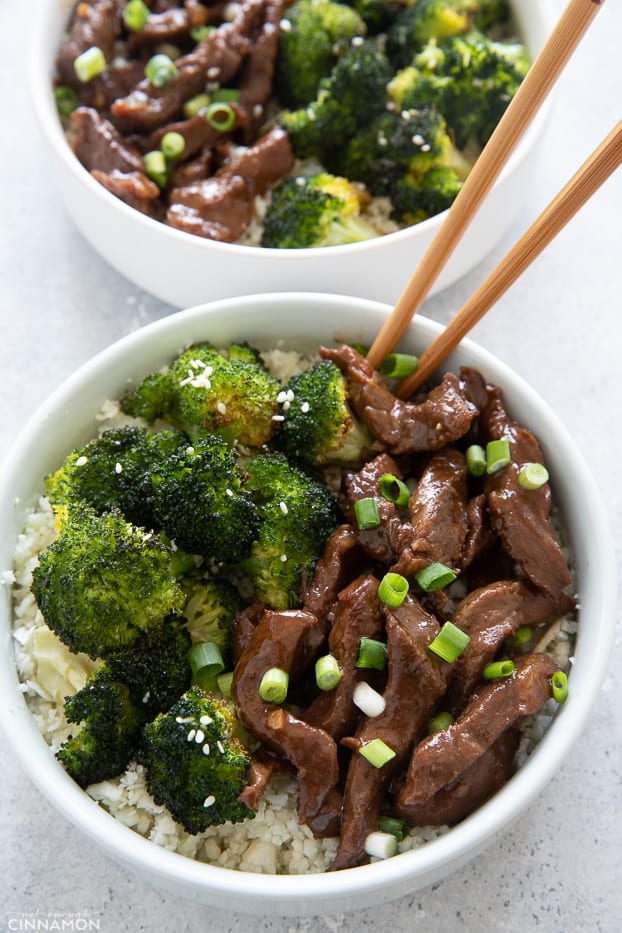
(276, 620)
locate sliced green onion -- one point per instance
(155, 167)
(498, 669)
(135, 15)
(450, 642)
(559, 686)
(273, 685)
(172, 145)
(440, 722)
(497, 455)
(393, 589)
(89, 64)
(434, 577)
(327, 672)
(522, 636)
(200, 32)
(224, 682)
(398, 365)
(368, 700)
(205, 655)
(532, 476)
(372, 654)
(476, 460)
(220, 115)
(230, 94)
(160, 69)
(380, 845)
(376, 752)
(366, 512)
(66, 100)
(393, 489)
(391, 824)
(195, 105)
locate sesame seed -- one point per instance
(257, 111)
(220, 747)
(221, 408)
(81, 461)
(283, 507)
(118, 468)
(184, 719)
(206, 749)
(228, 492)
(189, 451)
(146, 696)
(205, 720)
(426, 147)
(281, 397)
(357, 41)
(285, 25)
(213, 72)
(283, 558)
(286, 405)
(199, 736)
(209, 801)
(305, 407)
(289, 395)
(278, 417)
(418, 139)
(191, 735)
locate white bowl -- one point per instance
(185, 270)
(303, 320)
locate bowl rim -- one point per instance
(40, 69)
(296, 892)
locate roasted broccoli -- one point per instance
(317, 32)
(298, 514)
(210, 610)
(110, 730)
(350, 96)
(416, 197)
(319, 424)
(470, 78)
(104, 584)
(195, 765)
(208, 390)
(317, 210)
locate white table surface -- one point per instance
(557, 869)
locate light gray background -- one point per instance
(558, 868)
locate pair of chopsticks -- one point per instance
(539, 80)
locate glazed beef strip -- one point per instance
(169, 26)
(94, 23)
(197, 132)
(403, 427)
(521, 517)
(392, 535)
(416, 679)
(358, 615)
(441, 758)
(489, 615)
(132, 187)
(98, 145)
(257, 72)
(332, 571)
(244, 624)
(287, 640)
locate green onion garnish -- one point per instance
(372, 654)
(200, 32)
(497, 455)
(532, 476)
(224, 682)
(154, 164)
(380, 845)
(498, 669)
(440, 722)
(89, 64)
(398, 365)
(160, 69)
(377, 752)
(135, 15)
(195, 105)
(220, 115)
(476, 460)
(559, 686)
(327, 672)
(450, 642)
(393, 589)
(522, 636)
(173, 145)
(230, 94)
(391, 824)
(393, 489)
(366, 512)
(66, 100)
(207, 654)
(273, 685)
(435, 577)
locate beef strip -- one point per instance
(479, 534)
(257, 72)
(416, 679)
(330, 574)
(132, 187)
(403, 427)
(188, 173)
(521, 517)
(262, 164)
(282, 639)
(94, 23)
(197, 132)
(392, 535)
(471, 789)
(244, 624)
(98, 145)
(489, 615)
(358, 615)
(261, 769)
(169, 26)
(441, 758)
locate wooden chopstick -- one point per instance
(537, 83)
(605, 159)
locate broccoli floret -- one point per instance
(197, 499)
(210, 610)
(319, 425)
(206, 390)
(378, 14)
(417, 197)
(110, 730)
(104, 584)
(318, 210)
(298, 514)
(195, 765)
(354, 91)
(425, 20)
(318, 32)
(469, 78)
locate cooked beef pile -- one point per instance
(210, 186)
(510, 575)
